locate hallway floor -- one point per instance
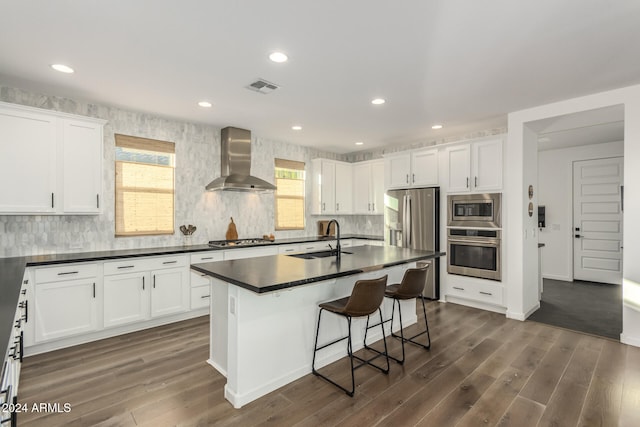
(594, 308)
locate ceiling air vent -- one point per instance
(262, 86)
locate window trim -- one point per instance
(292, 165)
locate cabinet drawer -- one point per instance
(210, 256)
(66, 272)
(200, 297)
(127, 265)
(199, 279)
(167, 262)
(289, 249)
(485, 292)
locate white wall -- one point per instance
(519, 242)
(555, 182)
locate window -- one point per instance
(289, 195)
(144, 186)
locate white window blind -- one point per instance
(144, 186)
(289, 194)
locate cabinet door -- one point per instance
(459, 168)
(424, 168)
(63, 309)
(397, 170)
(343, 188)
(328, 187)
(169, 291)
(82, 165)
(376, 187)
(126, 298)
(361, 188)
(28, 155)
(486, 168)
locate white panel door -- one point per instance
(126, 298)
(64, 309)
(28, 153)
(82, 158)
(169, 292)
(459, 167)
(486, 168)
(376, 189)
(328, 188)
(343, 186)
(597, 220)
(424, 168)
(397, 169)
(361, 192)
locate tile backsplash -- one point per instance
(197, 163)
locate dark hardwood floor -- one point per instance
(482, 370)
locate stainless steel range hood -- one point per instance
(235, 164)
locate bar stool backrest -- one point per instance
(366, 297)
(413, 282)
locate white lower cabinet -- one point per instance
(146, 292)
(126, 298)
(481, 291)
(65, 308)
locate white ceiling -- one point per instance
(462, 63)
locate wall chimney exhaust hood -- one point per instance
(235, 164)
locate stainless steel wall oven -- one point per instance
(474, 252)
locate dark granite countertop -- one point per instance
(272, 273)
(12, 269)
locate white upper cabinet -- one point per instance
(52, 160)
(331, 182)
(368, 187)
(414, 169)
(475, 167)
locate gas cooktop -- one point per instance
(239, 242)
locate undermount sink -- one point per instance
(321, 254)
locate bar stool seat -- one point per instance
(411, 287)
(365, 299)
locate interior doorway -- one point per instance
(580, 158)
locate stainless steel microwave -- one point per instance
(474, 210)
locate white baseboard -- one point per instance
(518, 315)
(556, 277)
(629, 340)
(476, 304)
(217, 367)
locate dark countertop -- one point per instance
(12, 270)
(272, 273)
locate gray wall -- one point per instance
(197, 163)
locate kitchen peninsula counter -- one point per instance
(263, 313)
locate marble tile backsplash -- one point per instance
(197, 163)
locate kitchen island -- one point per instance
(264, 311)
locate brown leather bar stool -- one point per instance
(411, 286)
(365, 299)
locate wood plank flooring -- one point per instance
(482, 369)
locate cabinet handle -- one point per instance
(154, 281)
(169, 262)
(467, 182)
(21, 345)
(52, 201)
(97, 201)
(337, 207)
(208, 257)
(407, 178)
(460, 289)
(373, 207)
(486, 293)
(205, 296)
(413, 177)
(26, 311)
(125, 266)
(323, 206)
(68, 272)
(94, 290)
(143, 283)
(475, 182)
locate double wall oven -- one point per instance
(474, 235)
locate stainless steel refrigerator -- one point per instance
(411, 220)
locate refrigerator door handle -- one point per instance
(404, 221)
(409, 221)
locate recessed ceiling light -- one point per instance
(62, 68)
(359, 143)
(205, 104)
(436, 127)
(278, 57)
(296, 127)
(378, 101)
